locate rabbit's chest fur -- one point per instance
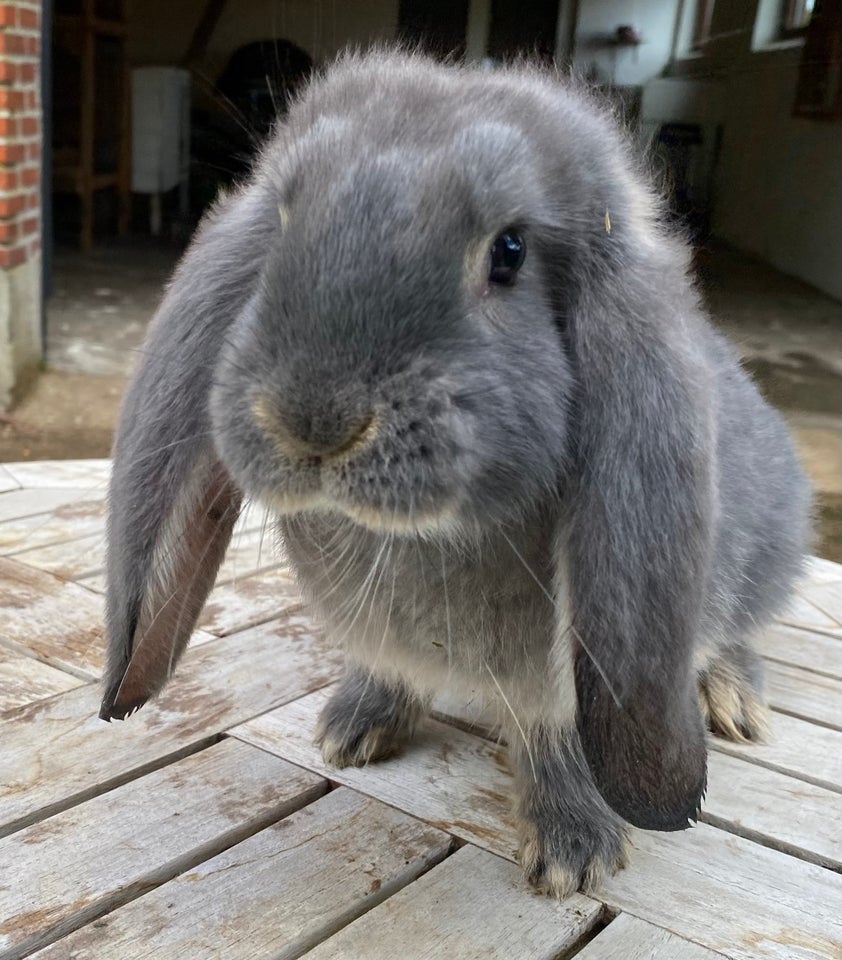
(476, 621)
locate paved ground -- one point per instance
(787, 331)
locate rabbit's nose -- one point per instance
(307, 434)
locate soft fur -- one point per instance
(562, 495)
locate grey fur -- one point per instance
(504, 491)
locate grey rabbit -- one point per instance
(445, 334)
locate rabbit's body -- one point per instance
(444, 334)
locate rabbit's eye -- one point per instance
(507, 255)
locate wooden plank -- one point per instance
(731, 895)
(60, 873)
(7, 481)
(800, 693)
(59, 622)
(819, 570)
(70, 559)
(472, 905)
(275, 895)
(795, 747)
(450, 778)
(249, 552)
(26, 503)
(57, 752)
(249, 601)
(24, 680)
(827, 597)
(704, 884)
(61, 473)
(800, 612)
(802, 648)
(785, 813)
(68, 521)
(627, 938)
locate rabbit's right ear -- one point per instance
(172, 504)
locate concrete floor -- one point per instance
(789, 334)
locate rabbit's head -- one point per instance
(443, 296)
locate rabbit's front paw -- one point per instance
(731, 701)
(366, 720)
(559, 856)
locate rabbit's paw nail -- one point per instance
(560, 859)
(731, 706)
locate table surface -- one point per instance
(208, 826)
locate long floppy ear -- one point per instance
(639, 538)
(172, 503)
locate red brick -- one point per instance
(30, 177)
(11, 153)
(8, 180)
(30, 226)
(29, 19)
(26, 72)
(12, 43)
(12, 258)
(11, 206)
(8, 233)
(8, 15)
(31, 100)
(34, 246)
(33, 151)
(8, 72)
(8, 128)
(32, 46)
(30, 126)
(11, 99)
(34, 201)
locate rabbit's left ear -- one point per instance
(172, 504)
(639, 539)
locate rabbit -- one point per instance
(444, 333)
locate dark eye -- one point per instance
(507, 255)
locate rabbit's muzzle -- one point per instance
(326, 434)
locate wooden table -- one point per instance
(207, 825)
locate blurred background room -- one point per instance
(120, 122)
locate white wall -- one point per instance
(596, 26)
(779, 179)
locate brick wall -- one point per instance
(20, 131)
(20, 189)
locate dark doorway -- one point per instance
(527, 28)
(438, 26)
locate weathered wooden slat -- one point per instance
(249, 601)
(786, 813)
(795, 747)
(7, 481)
(57, 752)
(801, 693)
(802, 613)
(627, 938)
(802, 648)
(37, 474)
(450, 778)
(25, 503)
(60, 873)
(819, 570)
(69, 521)
(70, 559)
(742, 893)
(472, 905)
(827, 597)
(24, 680)
(59, 622)
(249, 552)
(275, 895)
(731, 895)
